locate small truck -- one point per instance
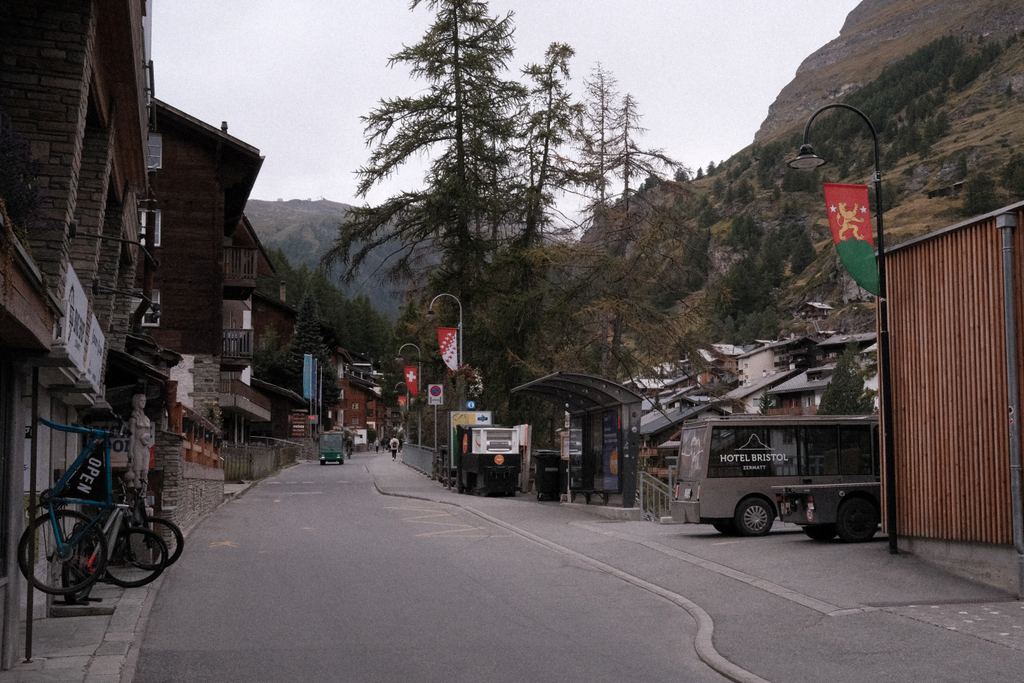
(851, 511)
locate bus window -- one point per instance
(855, 452)
(821, 451)
(783, 442)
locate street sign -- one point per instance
(435, 394)
(470, 405)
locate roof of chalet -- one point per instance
(268, 388)
(246, 158)
(778, 343)
(663, 421)
(844, 339)
(729, 349)
(818, 304)
(816, 378)
(275, 303)
(744, 390)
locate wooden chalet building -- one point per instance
(359, 408)
(209, 259)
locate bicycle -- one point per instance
(137, 555)
(79, 549)
(138, 516)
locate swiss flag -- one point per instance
(448, 340)
(411, 380)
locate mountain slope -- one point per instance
(876, 33)
(304, 230)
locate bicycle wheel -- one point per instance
(171, 535)
(138, 557)
(73, 551)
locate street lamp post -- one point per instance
(808, 160)
(430, 314)
(406, 396)
(419, 380)
(449, 461)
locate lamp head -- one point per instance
(430, 313)
(806, 159)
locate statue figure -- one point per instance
(139, 443)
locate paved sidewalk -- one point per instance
(93, 643)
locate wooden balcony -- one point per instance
(237, 344)
(239, 272)
(238, 397)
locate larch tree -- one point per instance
(463, 123)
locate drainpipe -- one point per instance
(1007, 222)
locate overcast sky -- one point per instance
(292, 77)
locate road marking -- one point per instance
(299, 493)
(223, 544)
(457, 529)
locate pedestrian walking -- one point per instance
(394, 448)
(376, 446)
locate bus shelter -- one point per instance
(604, 432)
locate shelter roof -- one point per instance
(580, 393)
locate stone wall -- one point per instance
(189, 491)
(206, 379)
(202, 492)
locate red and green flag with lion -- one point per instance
(850, 220)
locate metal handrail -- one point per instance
(655, 497)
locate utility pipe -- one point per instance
(1007, 222)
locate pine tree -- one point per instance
(307, 339)
(845, 394)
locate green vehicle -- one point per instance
(332, 447)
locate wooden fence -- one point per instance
(251, 462)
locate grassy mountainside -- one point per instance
(946, 102)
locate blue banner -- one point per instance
(307, 376)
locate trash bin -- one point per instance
(545, 478)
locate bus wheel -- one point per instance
(727, 527)
(754, 517)
(856, 520)
(820, 532)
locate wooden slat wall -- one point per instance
(948, 351)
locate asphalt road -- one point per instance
(313, 575)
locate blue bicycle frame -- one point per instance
(89, 476)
